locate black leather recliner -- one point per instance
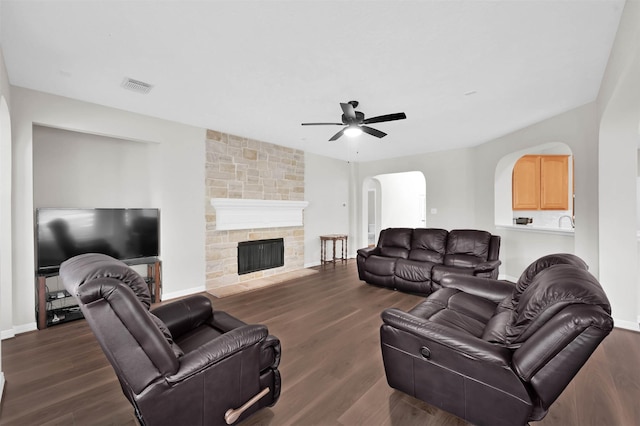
(181, 363)
(495, 353)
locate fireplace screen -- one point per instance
(260, 255)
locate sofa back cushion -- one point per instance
(467, 247)
(428, 245)
(551, 291)
(395, 242)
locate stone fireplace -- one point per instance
(256, 178)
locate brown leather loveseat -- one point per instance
(416, 260)
(495, 353)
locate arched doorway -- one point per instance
(392, 200)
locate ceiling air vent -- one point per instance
(136, 85)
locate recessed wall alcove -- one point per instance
(503, 212)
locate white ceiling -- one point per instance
(260, 68)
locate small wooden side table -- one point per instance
(334, 238)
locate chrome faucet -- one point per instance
(573, 224)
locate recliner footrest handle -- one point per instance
(232, 414)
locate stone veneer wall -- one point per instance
(237, 167)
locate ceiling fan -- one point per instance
(355, 123)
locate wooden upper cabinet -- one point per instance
(526, 183)
(541, 182)
(554, 182)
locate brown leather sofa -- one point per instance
(181, 363)
(416, 260)
(493, 352)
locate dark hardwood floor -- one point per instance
(331, 366)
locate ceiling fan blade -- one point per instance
(337, 135)
(373, 132)
(349, 112)
(323, 124)
(388, 117)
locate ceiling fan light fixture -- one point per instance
(353, 131)
(354, 122)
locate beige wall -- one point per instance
(619, 118)
(327, 191)
(178, 185)
(449, 185)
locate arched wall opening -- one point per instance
(503, 207)
(392, 200)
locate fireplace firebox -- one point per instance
(259, 255)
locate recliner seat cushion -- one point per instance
(461, 260)
(177, 350)
(496, 329)
(454, 308)
(380, 265)
(440, 271)
(413, 270)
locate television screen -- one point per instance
(121, 233)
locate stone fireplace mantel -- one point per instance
(236, 213)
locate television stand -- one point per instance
(47, 315)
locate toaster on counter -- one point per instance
(522, 220)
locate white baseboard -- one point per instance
(17, 329)
(1, 386)
(507, 277)
(7, 334)
(627, 325)
(182, 293)
(314, 264)
(32, 326)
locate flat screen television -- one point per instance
(125, 234)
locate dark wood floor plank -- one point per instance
(624, 375)
(332, 374)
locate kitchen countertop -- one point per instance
(539, 229)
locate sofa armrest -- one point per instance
(225, 322)
(487, 288)
(467, 345)
(487, 266)
(368, 251)
(218, 349)
(185, 314)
